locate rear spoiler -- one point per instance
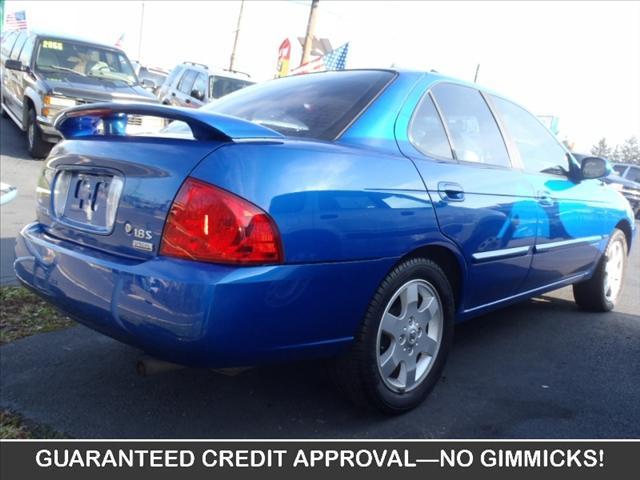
(84, 121)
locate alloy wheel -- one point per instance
(614, 270)
(409, 335)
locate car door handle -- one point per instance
(187, 101)
(173, 94)
(451, 192)
(544, 198)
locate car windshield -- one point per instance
(84, 60)
(221, 86)
(316, 106)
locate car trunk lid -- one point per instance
(111, 191)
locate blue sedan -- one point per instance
(357, 215)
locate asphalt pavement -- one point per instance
(17, 168)
(539, 369)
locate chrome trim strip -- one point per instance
(529, 293)
(502, 253)
(544, 247)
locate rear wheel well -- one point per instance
(446, 260)
(626, 229)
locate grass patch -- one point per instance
(13, 425)
(22, 314)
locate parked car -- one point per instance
(150, 78)
(629, 172)
(43, 73)
(626, 179)
(355, 215)
(194, 84)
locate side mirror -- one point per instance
(197, 94)
(148, 84)
(15, 65)
(594, 167)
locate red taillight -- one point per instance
(209, 224)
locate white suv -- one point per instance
(194, 84)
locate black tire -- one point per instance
(36, 145)
(357, 373)
(590, 294)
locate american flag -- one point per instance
(120, 41)
(17, 21)
(334, 60)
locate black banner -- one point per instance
(314, 459)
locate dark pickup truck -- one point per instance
(42, 74)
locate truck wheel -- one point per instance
(399, 353)
(603, 289)
(36, 145)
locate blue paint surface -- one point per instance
(347, 211)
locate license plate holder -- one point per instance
(87, 201)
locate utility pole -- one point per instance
(475, 77)
(232, 61)
(311, 27)
(140, 35)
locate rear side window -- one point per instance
(186, 81)
(316, 106)
(539, 149)
(475, 136)
(173, 75)
(426, 131)
(7, 43)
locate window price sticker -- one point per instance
(52, 44)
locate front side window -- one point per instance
(426, 131)
(57, 57)
(221, 86)
(25, 54)
(620, 169)
(22, 37)
(318, 105)
(186, 82)
(539, 149)
(633, 174)
(474, 132)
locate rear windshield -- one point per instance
(316, 106)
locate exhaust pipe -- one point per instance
(150, 366)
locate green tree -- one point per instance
(630, 151)
(601, 149)
(615, 154)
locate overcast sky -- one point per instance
(579, 61)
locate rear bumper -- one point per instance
(202, 314)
